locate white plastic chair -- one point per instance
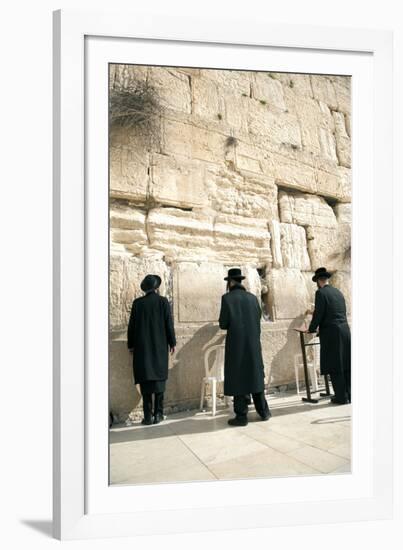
(213, 374)
(313, 366)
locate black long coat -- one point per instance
(243, 367)
(149, 334)
(334, 333)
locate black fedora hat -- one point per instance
(321, 273)
(234, 273)
(150, 282)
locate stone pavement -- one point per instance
(299, 439)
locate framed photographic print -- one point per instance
(220, 229)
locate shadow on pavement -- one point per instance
(195, 423)
(331, 420)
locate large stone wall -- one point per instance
(237, 169)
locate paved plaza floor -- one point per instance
(299, 439)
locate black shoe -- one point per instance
(238, 421)
(147, 421)
(338, 402)
(158, 418)
(266, 417)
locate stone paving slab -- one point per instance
(299, 439)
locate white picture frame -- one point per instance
(84, 506)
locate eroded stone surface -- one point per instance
(268, 90)
(242, 193)
(129, 161)
(178, 182)
(125, 275)
(289, 294)
(304, 209)
(294, 250)
(199, 287)
(343, 143)
(330, 248)
(324, 90)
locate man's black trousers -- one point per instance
(341, 382)
(148, 390)
(259, 400)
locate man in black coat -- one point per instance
(243, 366)
(149, 334)
(330, 318)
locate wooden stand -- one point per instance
(309, 398)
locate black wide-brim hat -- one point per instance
(321, 273)
(234, 273)
(150, 282)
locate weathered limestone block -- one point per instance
(343, 213)
(180, 234)
(248, 157)
(177, 182)
(342, 86)
(324, 90)
(133, 239)
(312, 115)
(269, 90)
(123, 215)
(304, 209)
(239, 239)
(208, 145)
(288, 172)
(242, 193)
(252, 282)
(327, 145)
(230, 81)
(199, 287)
(288, 293)
(343, 142)
(347, 119)
(236, 112)
(127, 227)
(280, 128)
(126, 76)
(342, 281)
(125, 275)
(329, 247)
(129, 162)
(183, 139)
(208, 102)
(124, 396)
(176, 138)
(275, 232)
(298, 83)
(334, 182)
(294, 250)
(345, 185)
(172, 87)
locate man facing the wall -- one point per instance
(330, 318)
(149, 334)
(243, 366)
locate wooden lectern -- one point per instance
(309, 398)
